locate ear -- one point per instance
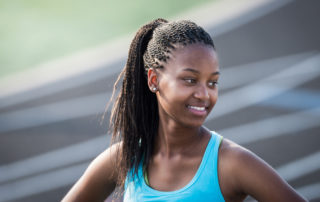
(152, 79)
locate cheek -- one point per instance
(214, 96)
(172, 92)
(168, 87)
(215, 92)
(179, 92)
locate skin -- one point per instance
(189, 78)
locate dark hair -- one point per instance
(134, 117)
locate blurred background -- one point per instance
(60, 59)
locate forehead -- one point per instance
(197, 56)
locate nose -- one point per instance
(202, 92)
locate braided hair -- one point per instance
(135, 118)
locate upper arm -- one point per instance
(252, 176)
(99, 179)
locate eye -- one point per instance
(213, 83)
(190, 80)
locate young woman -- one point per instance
(163, 151)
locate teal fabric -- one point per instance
(203, 187)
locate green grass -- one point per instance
(35, 31)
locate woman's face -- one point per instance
(188, 85)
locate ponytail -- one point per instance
(134, 117)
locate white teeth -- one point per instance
(197, 108)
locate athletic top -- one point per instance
(204, 186)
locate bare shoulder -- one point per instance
(232, 155)
(104, 165)
(243, 173)
(231, 150)
(108, 158)
(99, 179)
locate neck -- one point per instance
(173, 139)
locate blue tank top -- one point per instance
(204, 186)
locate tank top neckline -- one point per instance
(202, 165)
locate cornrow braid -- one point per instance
(135, 118)
(164, 38)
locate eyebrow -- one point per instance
(197, 72)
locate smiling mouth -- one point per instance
(197, 110)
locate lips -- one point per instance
(197, 110)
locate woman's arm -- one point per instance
(250, 175)
(98, 181)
